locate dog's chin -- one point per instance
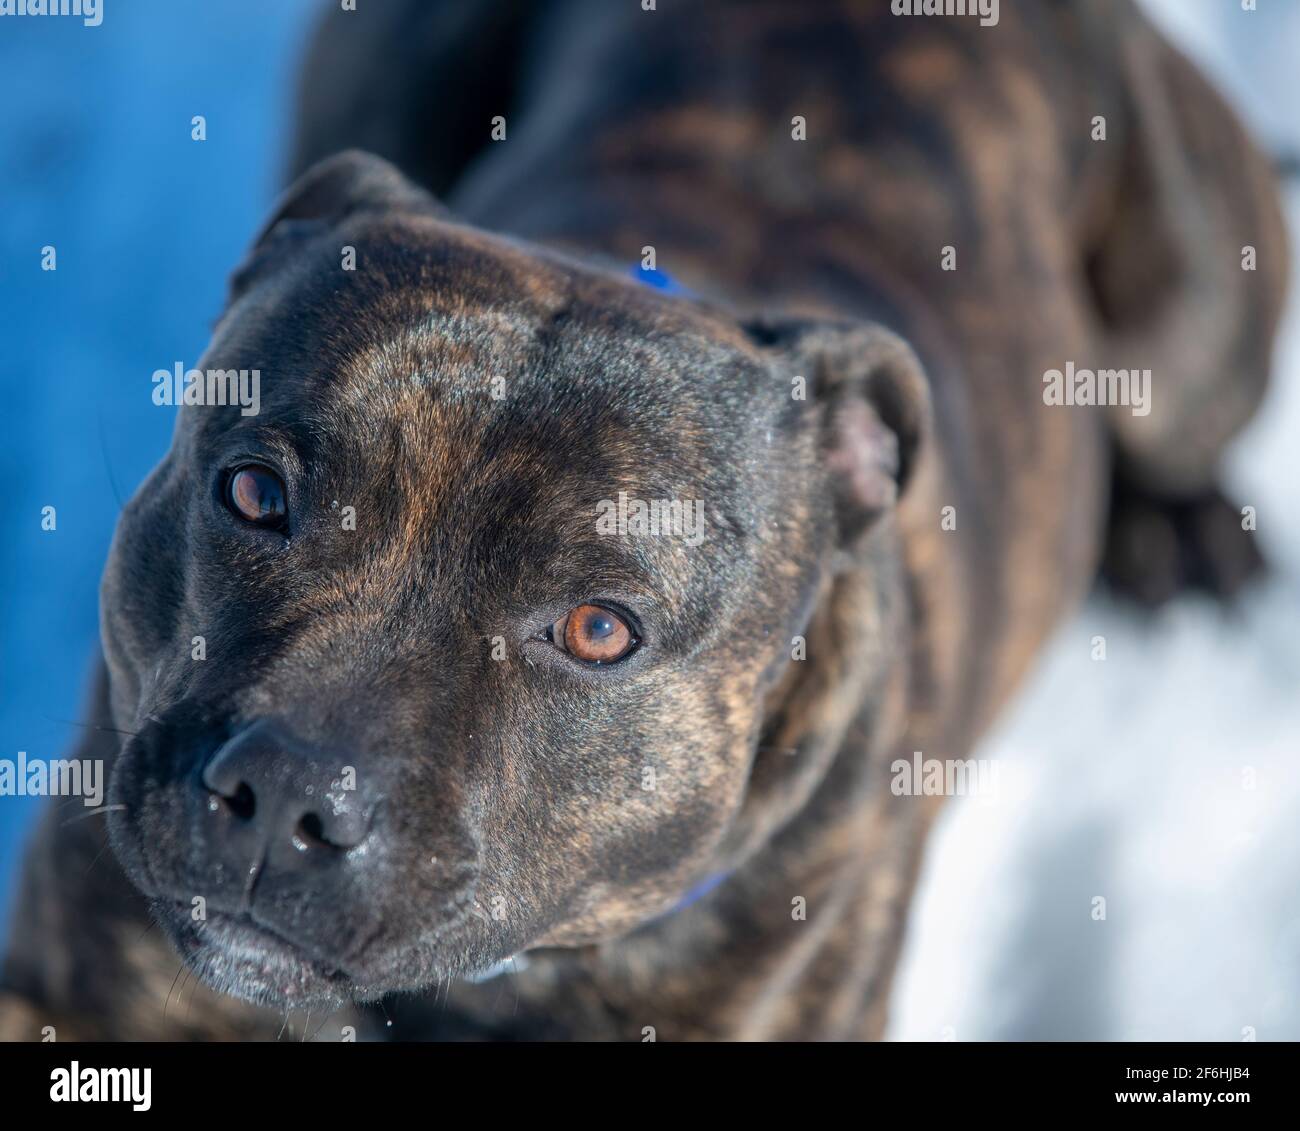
(237, 956)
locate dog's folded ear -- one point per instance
(872, 402)
(331, 190)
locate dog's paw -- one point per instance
(1157, 548)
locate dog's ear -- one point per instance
(872, 402)
(328, 192)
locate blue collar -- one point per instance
(659, 280)
(698, 892)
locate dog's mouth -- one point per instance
(237, 955)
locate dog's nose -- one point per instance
(300, 802)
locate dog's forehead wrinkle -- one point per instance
(428, 250)
(453, 356)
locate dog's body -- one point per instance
(831, 163)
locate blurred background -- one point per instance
(1129, 777)
(1124, 779)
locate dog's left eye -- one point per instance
(593, 634)
(257, 495)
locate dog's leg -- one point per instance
(1188, 271)
(415, 81)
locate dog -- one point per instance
(403, 738)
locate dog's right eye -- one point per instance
(593, 634)
(256, 495)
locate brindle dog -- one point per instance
(457, 722)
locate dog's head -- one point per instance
(469, 639)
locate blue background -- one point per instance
(98, 161)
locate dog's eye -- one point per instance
(593, 634)
(256, 495)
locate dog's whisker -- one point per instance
(98, 854)
(108, 467)
(99, 811)
(167, 1000)
(94, 726)
(320, 1028)
(68, 803)
(180, 994)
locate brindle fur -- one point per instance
(673, 129)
